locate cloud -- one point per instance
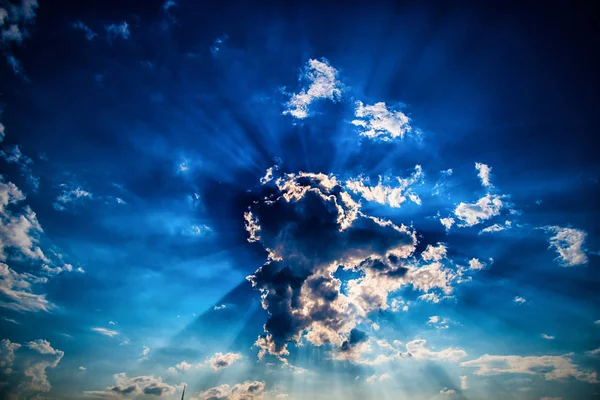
(13, 24)
(58, 270)
(594, 352)
(12, 321)
(221, 361)
(145, 351)
(550, 367)
(519, 300)
(115, 31)
(30, 375)
(439, 322)
(378, 378)
(547, 337)
(16, 292)
(475, 213)
(464, 383)
(417, 350)
(7, 355)
(89, 34)
(378, 122)
(219, 307)
(496, 228)
(82, 368)
(312, 226)
(447, 222)
(568, 243)
(18, 229)
(168, 4)
(322, 82)
(483, 171)
(447, 392)
(249, 390)
(434, 253)
(137, 386)
(70, 195)
(105, 332)
(392, 196)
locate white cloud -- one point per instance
(268, 177)
(496, 228)
(70, 195)
(219, 307)
(378, 378)
(392, 196)
(547, 337)
(16, 291)
(252, 227)
(249, 390)
(34, 377)
(7, 355)
(18, 229)
(550, 367)
(434, 253)
(519, 300)
(594, 352)
(89, 34)
(597, 322)
(475, 213)
(447, 392)
(439, 322)
(58, 270)
(82, 368)
(105, 332)
(12, 321)
(115, 31)
(378, 122)
(447, 222)
(568, 243)
(220, 361)
(475, 264)
(137, 386)
(322, 84)
(418, 351)
(483, 171)
(145, 351)
(464, 383)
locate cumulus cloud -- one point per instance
(377, 121)
(464, 383)
(313, 226)
(475, 213)
(447, 222)
(547, 337)
(34, 359)
(439, 322)
(434, 253)
(568, 243)
(89, 34)
(519, 300)
(447, 392)
(115, 31)
(136, 386)
(322, 82)
(249, 390)
(483, 171)
(105, 332)
(549, 367)
(392, 196)
(594, 352)
(20, 229)
(220, 361)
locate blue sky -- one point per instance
(259, 200)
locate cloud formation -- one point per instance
(136, 386)
(568, 243)
(249, 390)
(377, 121)
(322, 82)
(549, 367)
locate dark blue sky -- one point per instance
(270, 199)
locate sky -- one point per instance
(292, 200)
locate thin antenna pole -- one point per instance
(183, 394)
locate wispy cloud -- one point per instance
(115, 31)
(377, 121)
(105, 332)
